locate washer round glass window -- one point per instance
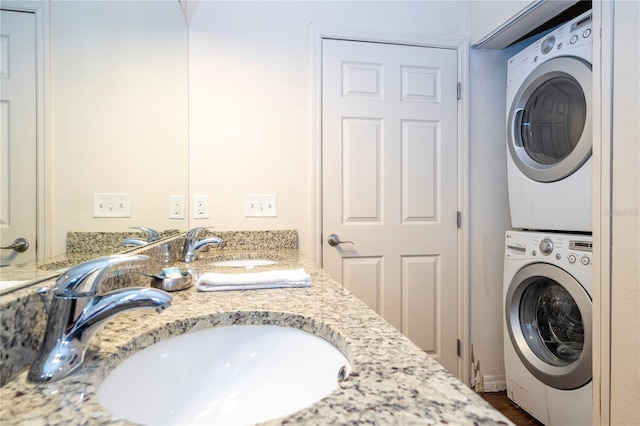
(551, 322)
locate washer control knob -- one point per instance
(547, 44)
(572, 258)
(585, 260)
(546, 246)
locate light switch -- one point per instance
(111, 205)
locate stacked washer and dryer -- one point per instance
(547, 269)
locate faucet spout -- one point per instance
(76, 314)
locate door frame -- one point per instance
(461, 45)
(44, 221)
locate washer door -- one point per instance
(548, 316)
(549, 125)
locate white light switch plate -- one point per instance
(264, 205)
(111, 205)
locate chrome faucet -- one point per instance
(193, 243)
(77, 311)
(150, 237)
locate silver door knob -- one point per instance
(334, 240)
(20, 245)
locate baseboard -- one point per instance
(494, 383)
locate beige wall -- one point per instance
(625, 214)
(119, 90)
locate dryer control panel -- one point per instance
(569, 39)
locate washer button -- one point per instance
(585, 260)
(572, 258)
(534, 253)
(558, 257)
(586, 33)
(574, 38)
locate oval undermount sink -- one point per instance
(225, 375)
(244, 263)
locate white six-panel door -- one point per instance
(17, 134)
(389, 179)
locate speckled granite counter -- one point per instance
(392, 382)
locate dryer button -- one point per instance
(572, 258)
(574, 38)
(586, 33)
(585, 260)
(558, 256)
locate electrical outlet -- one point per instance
(111, 205)
(260, 205)
(176, 207)
(200, 207)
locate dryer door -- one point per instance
(548, 316)
(549, 125)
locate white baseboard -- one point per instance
(494, 383)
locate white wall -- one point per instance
(251, 105)
(489, 214)
(625, 215)
(119, 90)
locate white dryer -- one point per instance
(549, 137)
(547, 325)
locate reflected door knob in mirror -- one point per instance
(334, 240)
(20, 245)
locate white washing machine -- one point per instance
(547, 325)
(549, 133)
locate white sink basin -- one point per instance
(225, 375)
(244, 263)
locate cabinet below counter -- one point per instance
(392, 380)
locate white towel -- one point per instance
(210, 281)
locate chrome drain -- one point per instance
(342, 373)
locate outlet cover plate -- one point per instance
(200, 207)
(111, 205)
(260, 205)
(176, 207)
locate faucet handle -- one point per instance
(150, 234)
(194, 233)
(85, 278)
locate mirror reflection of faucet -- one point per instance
(150, 237)
(78, 309)
(194, 242)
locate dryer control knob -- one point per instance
(546, 246)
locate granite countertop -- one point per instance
(392, 380)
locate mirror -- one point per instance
(118, 114)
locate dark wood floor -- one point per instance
(502, 403)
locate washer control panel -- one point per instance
(559, 249)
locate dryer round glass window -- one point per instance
(548, 316)
(549, 125)
(553, 120)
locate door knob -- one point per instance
(20, 245)
(334, 240)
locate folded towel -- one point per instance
(210, 281)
